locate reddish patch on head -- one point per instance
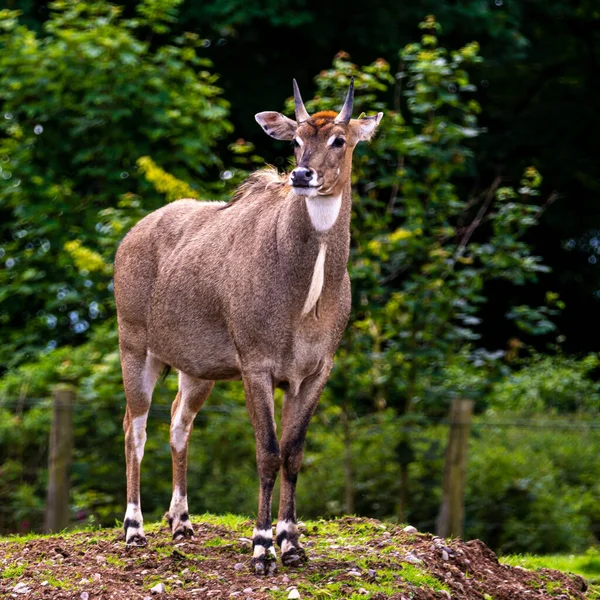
(323, 117)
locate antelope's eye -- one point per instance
(338, 142)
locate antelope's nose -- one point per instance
(301, 176)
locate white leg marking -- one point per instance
(264, 533)
(287, 526)
(258, 551)
(316, 284)
(150, 375)
(179, 504)
(139, 435)
(323, 211)
(134, 513)
(183, 418)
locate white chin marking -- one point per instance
(305, 191)
(323, 211)
(316, 284)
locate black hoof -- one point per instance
(136, 540)
(264, 567)
(183, 532)
(294, 557)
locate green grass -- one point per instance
(587, 565)
(15, 571)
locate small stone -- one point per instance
(45, 582)
(100, 559)
(386, 534)
(21, 588)
(446, 594)
(239, 566)
(248, 590)
(159, 588)
(412, 559)
(372, 573)
(285, 579)
(362, 592)
(148, 598)
(97, 577)
(354, 573)
(410, 529)
(84, 596)
(293, 594)
(445, 556)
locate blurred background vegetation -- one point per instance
(476, 236)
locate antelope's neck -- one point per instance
(314, 243)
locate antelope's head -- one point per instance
(323, 144)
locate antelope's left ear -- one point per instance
(276, 125)
(363, 129)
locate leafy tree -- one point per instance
(80, 104)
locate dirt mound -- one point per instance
(349, 558)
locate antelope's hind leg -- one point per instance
(140, 372)
(297, 413)
(189, 400)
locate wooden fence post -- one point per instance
(59, 460)
(450, 521)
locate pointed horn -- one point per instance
(346, 113)
(301, 112)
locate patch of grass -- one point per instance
(587, 565)
(15, 571)
(235, 522)
(55, 582)
(216, 542)
(113, 560)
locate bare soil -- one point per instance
(349, 558)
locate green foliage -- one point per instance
(81, 103)
(423, 250)
(551, 385)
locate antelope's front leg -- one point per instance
(259, 402)
(297, 412)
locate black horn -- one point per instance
(301, 112)
(346, 113)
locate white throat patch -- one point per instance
(316, 283)
(323, 211)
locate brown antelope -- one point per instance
(256, 289)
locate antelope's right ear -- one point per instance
(276, 125)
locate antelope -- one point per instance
(257, 289)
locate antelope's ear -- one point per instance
(363, 129)
(277, 125)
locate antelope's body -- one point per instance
(256, 289)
